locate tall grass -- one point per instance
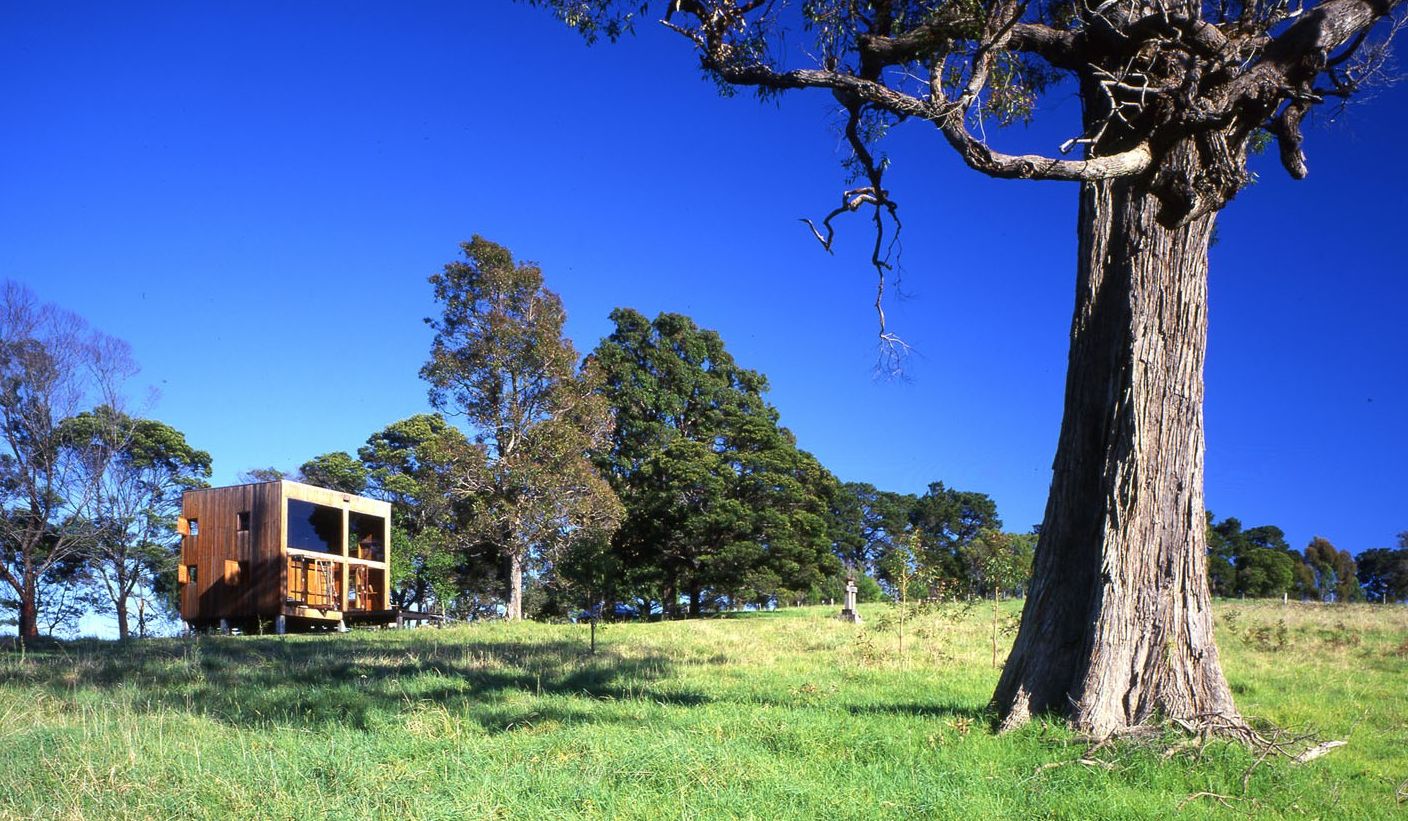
(785, 715)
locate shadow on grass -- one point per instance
(348, 681)
(942, 710)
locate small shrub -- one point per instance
(1230, 620)
(866, 650)
(1267, 638)
(1341, 636)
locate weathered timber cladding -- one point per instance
(242, 575)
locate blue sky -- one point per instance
(254, 194)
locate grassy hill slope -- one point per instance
(783, 715)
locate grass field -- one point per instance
(781, 715)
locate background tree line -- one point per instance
(650, 478)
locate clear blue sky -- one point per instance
(253, 195)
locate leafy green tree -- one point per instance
(1222, 556)
(1263, 572)
(948, 521)
(1256, 562)
(1383, 572)
(865, 522)
(499, 361)
(335, 471)
(257, 475)
(438, 556)
(1336, 576)
(721, 505)
(139, 469)
(1172, 101)
(50, 362)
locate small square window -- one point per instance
(194, 526)
(191, 573)
(242, 521)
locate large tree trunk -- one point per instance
(1117, 629)
(515, 586)
(123, 630)
(28, 622)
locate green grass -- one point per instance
(786, 715)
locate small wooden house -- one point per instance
(283, 555)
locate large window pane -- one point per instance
(365, 540)
(314, 527)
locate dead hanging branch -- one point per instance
(893, 349)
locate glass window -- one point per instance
(314, 527)
(365, 539)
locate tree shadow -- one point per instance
(918, 710)
(351, 681)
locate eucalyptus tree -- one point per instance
(499, 361)
(138, 468)
(1117, 628)
(51, 365)
(1335, 572)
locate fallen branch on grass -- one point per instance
(1317, 751)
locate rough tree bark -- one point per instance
(28, 617)
(1117, 628)
(515, 586)
(124, 631)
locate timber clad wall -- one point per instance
(236, 555)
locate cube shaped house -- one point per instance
(283, 555)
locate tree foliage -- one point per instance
(1336, 575)
(721, 504)
(438, 557)
(866, 522)
(500, 362)
(337, 470)
(139, 468)
(265, 474)
(51, 364)
(948, 521)
(1383, 572)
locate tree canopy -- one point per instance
(500, 362)
(720, 502)
(139, 469)
(438, 558)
